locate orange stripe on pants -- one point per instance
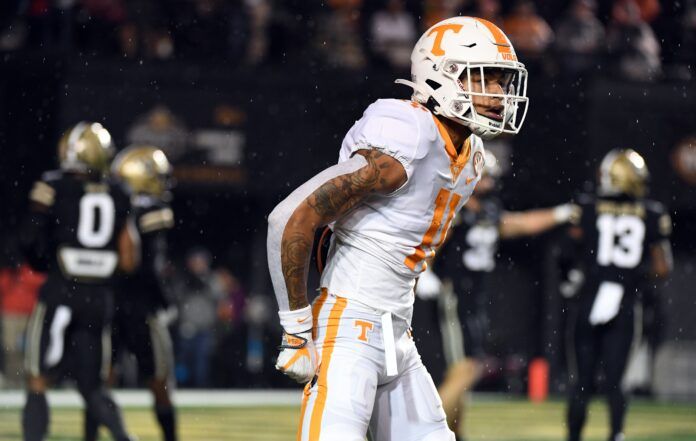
(327, 351)
(303, 409)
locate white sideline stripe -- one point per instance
(138, 398)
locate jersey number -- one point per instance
(96, 224)
(620, 240)
(446, 201)
(482, 242)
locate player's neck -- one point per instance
(458, 133)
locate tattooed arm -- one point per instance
(322, 200)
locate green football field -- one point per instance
(489, 419)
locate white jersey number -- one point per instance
(96, 225)
(620, 240)
(482, 241)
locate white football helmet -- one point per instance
(441, 66)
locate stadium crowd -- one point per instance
(623, 37)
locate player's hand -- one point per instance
(567, 213)
(298, 356)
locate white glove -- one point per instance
(298, 358)
(429, 285)
(567, 213)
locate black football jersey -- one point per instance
(153, 218)
(473, 242)
(616, 240)
(74, 226)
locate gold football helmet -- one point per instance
(623, 171)
(145, 169)
(86, 147)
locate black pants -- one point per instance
(607, 347)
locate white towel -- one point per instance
(607, 302)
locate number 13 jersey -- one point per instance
(380, 248)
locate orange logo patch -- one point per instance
(439, 32)
(364, 327)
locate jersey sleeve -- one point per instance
(659, 223)
(35, 231)
(155, 220)
(43, 192)
(390, 126)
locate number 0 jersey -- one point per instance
(380, 248)
(76, 224)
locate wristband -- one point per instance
(297, 321)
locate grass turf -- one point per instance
(489, 419)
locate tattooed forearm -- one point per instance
(295, 250)
(339, 195)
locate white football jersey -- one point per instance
(380, 248)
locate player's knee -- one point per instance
(160, 391)
(37, 384)
(464, 372)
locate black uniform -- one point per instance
(139, 324)
(72, 234)
(466, 259)
(615, 253)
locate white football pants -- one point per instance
(352, 392)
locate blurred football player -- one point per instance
(454, 313)
(77, 232)
(142, 312)
(621, 237)
(404, 170)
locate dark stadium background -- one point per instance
(293, 108)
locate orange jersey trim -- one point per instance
(327, 351)
(457, 161)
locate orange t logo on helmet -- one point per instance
(440, 31)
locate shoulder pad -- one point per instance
(655, 206)
(585, 199)
(52, 175)
(391, 126)
(43, 193)
(154, 220)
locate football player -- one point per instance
(142, 312)
(622, 237)
(404, 171)
(455, 312)
(77, 232)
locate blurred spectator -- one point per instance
(212, 29)
(649, 9)
(435, 11)
(198, 296)
(579, 37)
(19, 286)
(339, 36)
(144, 32)
(527, 30)
(489, 10)
(687, 54)
(633, 47)
(393, 33)
(162, 128)
(231, 308)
